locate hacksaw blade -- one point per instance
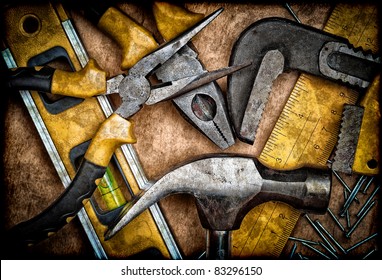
(348, 138)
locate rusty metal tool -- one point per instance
(226, 188)
(276, 45)
(115, 131)
(204, 108)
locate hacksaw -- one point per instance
(307, 129)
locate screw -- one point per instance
(367, 185)
(362, 242)
(303, 240)
(343, 183)
(320, 233)
(315, 250)
(330, 236)
(328, 250)
(352, 195)
(360, 219)
(293, 251)
(336, 220)
(368, 201)
(289, 8)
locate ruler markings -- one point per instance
(252, 229)
(311, 134)
(295, 143)
(273, 210)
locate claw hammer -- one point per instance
(226, 188)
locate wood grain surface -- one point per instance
(165, 139)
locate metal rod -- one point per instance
(362, 242)
(289, 8)
(347, 211)
(369, 254)
(352, 195)
(328, 250)
(218, 244)
(330, 236)
(315, 250)
(320, 233)
(360, 219)
(368, 201)
(343, 183)
(336, 220)
(303, 240)
(367, 185)
(293, 251)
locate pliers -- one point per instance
(135, 90)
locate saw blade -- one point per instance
(348, 138)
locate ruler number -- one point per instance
(278, 160)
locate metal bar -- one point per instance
(362, 210)
(336, 220)
(293, 251)
(330, 236)
(360, 219)
(328, 250)
(289, 8)
(343, 183)
(320, 233)
(315, 250)
(362, 242)
(303, 240)
(367, 185)
(352, 195)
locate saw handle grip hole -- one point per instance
(30, 25)
(372, 164)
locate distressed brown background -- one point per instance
(164, 138)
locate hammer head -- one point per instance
(227, 187)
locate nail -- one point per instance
(330, 236)
(352, 195)
(362, 242)
(328, 250)
(369, 254)
(367, 185)
(302, 257)
(320, 233)
(347, 211)
(289, 8)
(368, 201)
(303, 240)
(202, 255)
(343, 183)
(293, 251)
(315, 250)
(360, 219)
(336, 220)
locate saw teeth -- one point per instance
(348, 138)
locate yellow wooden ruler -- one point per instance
(304, 135)
(307, 129)
(264, 231)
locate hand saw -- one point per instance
(307, 129)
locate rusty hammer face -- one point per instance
(226, 188)
(276, 45)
